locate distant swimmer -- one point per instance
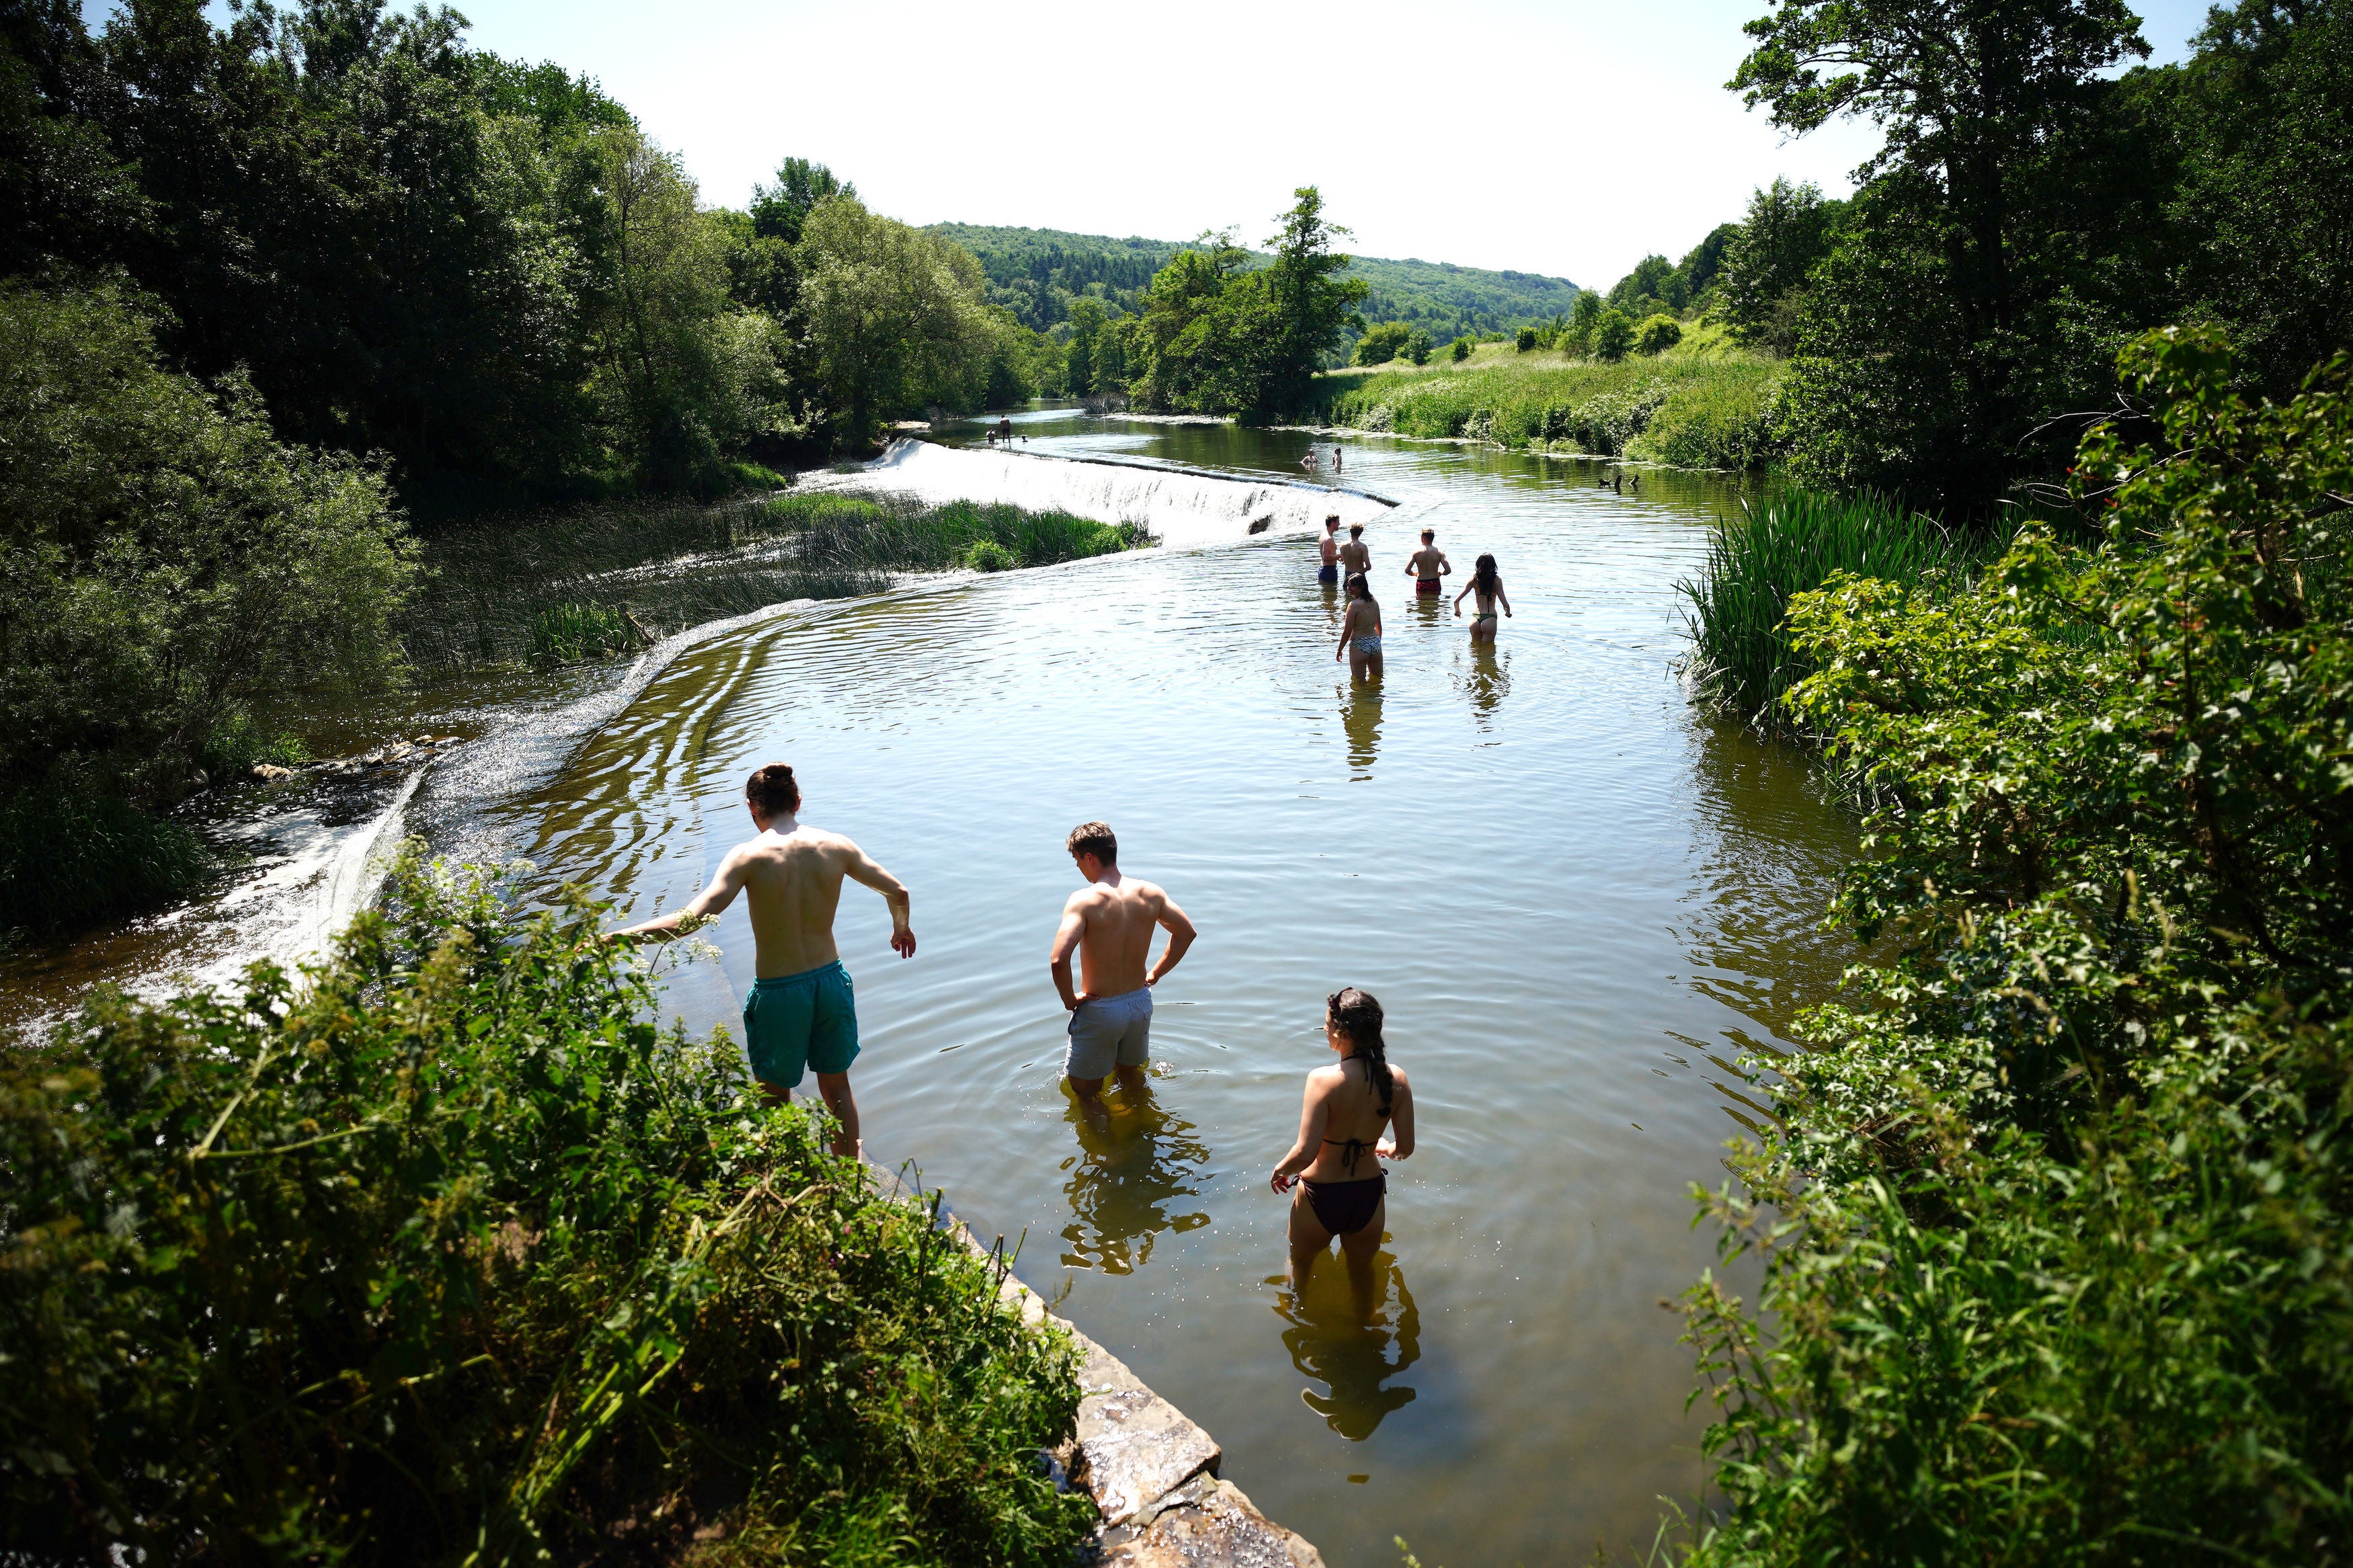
(1005, 428)
(1336, 1160)
(1329, 546)
(801, 1013)
(1335, 456)
(1489, 586)
(1360, 630)
(1354, 556)
(1108, 922)
(1311, 462)
(1427, 564)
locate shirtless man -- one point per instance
(801, 1013)
(1426, 566)
(1353, 554)
(1109, 922)
(1329, 573)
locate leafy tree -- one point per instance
(1524, 339)
(1383, 342)
(1956, 263)
(163, 560)
(1416, 348)
(1657, 334)
(1313, 302)
(1787, 231)
(1613, 336)
(1462, 350)
(779, 210)
(1654, 278)
(1585, 312)
(1704, 262)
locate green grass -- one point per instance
(1790, 544)
(553, 587)
(1709, 408)
(446, 1253)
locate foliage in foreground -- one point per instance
(2058, 1229)
(445, 1252)
(1714, 413)
(1743, 654)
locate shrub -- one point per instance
(1382, 343)
(1462, 350)
(71, 855)
(1744, 655)
(445, 1251)
(566, 634)
(1657, 334)
(1525, 340)
(987, 555)
(2057, 1225)
(1613, 335)
(1416, 348)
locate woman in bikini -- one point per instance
(1360, 630)
(1336, 1163)
(1490, 589)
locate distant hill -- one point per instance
(1035, 273)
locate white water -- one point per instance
(1184, 508)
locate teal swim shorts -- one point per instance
(794, 1022)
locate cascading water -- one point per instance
(1184, 508)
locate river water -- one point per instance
(1576, 899)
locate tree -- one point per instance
(1462, 350)
(1613, 336)
(778, 211)
(1383, 342)
(1416, 348)
(1657, 334)
(1313, 302)
(1787, 231)
(1971, 203)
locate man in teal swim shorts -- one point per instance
(801, 1014)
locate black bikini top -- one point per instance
(1355, 1149)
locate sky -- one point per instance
(1570, 138)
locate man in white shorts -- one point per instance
(1109, 922)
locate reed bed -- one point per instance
(1712, 410)
(1741, 657)
(556, 588)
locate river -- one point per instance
(1576, 898)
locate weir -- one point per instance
(1184, 508)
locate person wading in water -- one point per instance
(1336, 1163)
(1489, 586)
(1360, 631)
(801, 1013)
(1428, 565)
(1109, 923)
(1329, 546)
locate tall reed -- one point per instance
(1741, 659)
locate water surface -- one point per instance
(1575, 899)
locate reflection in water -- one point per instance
(1360, 716)
(1352, 1345)
(1482, 674)
(1132, 1165)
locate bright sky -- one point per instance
(1571, 137)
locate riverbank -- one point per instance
(1707, 409)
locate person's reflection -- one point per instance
(1352, 1344)
(1135, 1163)
(1360, 717)
(1480, 673)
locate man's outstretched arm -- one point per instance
(1180, 937)
(864, 869)
(704, 905)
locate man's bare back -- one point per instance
(1109, 924)
(791, 880)
(1355, 557)
(1116, 918)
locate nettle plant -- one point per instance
(2057, 1228)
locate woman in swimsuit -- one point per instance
(1360, 630)
(1336, 1163)
(1490, 589)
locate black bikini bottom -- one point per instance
(1344, 1208)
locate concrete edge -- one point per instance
(1150, 1469)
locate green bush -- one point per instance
(1462, 350)
(1525, 340)
(1382, 341)
(445, 1252)
(566, 634)
(1743, 654)
(1612, 336)
(987, 555)
(2057, 1222)
(71, 856)
(1721, 422)
(1657, 334)
(1416, 348)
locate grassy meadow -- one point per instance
(1704, 404)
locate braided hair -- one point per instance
(1355, 1015)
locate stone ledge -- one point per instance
(1152, 1470)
